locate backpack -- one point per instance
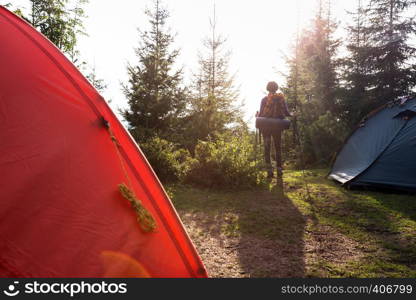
(273, 106)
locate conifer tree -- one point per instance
(154, 92)
(356, 69)
(313, 82)
(379, 66)
(389, 29)
(320, 52)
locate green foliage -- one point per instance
(319, 141)
(154, 91)
(393, 73)
(328, 135)
(226, 162)
(330, 95)
(59, 22)
(355, 71)
(379, 67)
(213, 107)
(312, 90)
(169, 162)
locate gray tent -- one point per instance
(381, 152)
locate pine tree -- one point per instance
(312, 85)
(213, 109)
(320, 51)
(393, 73)
(154, 91)
(356, 73)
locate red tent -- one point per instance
(77, 196)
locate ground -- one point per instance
(280, 231)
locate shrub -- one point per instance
(227, 162)
(169, 162)
(319, 141)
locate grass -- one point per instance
(280, 231)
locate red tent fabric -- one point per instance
(63, 154)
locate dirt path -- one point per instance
(261, 234)
(233, 256)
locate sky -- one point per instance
(259, 34)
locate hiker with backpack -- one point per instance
(273, 107)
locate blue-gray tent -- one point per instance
(381, 152)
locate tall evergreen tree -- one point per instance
(389, 29)
(97, 82)
(213, 109)
(154, 92)
(59, 22)
(356, 73)
(313, 85)
(320, 51)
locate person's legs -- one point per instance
(267, 138)
(277, 139)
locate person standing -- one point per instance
(273, 106)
